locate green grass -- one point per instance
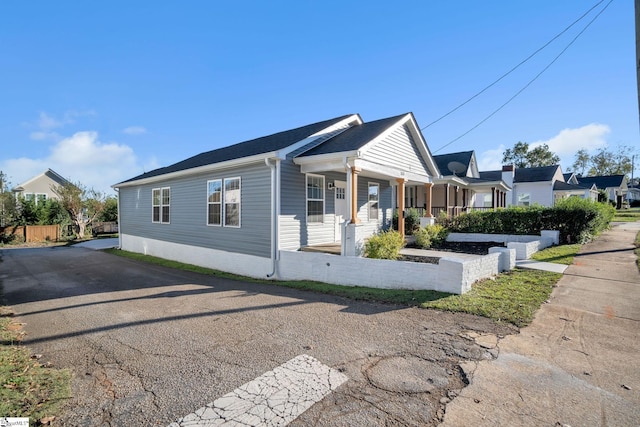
(627, 215)
(557, 254)
(512, 297)
(27, 388)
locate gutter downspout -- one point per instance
(345, 224)
(275, 212)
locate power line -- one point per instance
(530, 81)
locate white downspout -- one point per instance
(275, 212)
(345, 224)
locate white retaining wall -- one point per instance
(524, 246)
(507, 257)
(451, 275)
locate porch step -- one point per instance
(329, 248)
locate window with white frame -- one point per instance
(41, 198)
(232, 202)
(524, 199)
(315, 199)
(214, 202)
(373, 201)
(161, 200)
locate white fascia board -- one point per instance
(488, 184)
(367, 166)
(341, 124)
(201, 169)
(325, 158)
(451, 179)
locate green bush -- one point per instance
(411, 220)
(431, 235)
(384, 245)
(578, 220)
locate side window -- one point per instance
(161, 201)
(232, 202)
(374, 196)
(315, 199)
(214, 202)
(524, 199)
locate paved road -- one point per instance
(149, 345)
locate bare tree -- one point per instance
(83, 204)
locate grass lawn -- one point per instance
(562, 254)
(512, 297)
(627, 215)
(28, 388)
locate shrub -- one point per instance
(431, 235)
(384, 245)
(411, 220)
(578, 220)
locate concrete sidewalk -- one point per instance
(578, 363)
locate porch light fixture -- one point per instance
(330, 185)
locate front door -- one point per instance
(341, 207)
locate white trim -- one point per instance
(258, 158)
(390, 171)
(307, 199)
(213, 203)
(342, 124)
(161, 205)
(375, 184)
(224, 202)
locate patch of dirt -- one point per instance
(475, 248)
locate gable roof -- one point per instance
(565, 186)
(444, 161)
(53, 175)
(262, 145)
(605, 181)
(353, 138)
(539, 174)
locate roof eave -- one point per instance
(200, 169)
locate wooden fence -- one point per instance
(33, 233)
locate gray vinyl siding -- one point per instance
(294, 230)
(398, 150)
(188, 212)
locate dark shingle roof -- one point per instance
(444, 160)
(602, 182)
(265, 144)
(539, 174)
(564, 186)
(354, 137)
(491, 175)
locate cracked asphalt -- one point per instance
(149, 345)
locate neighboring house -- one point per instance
(541, 185)
(633, 194)
(614, 186)
(40, 187)
(237, 207)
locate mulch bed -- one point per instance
(475, 248)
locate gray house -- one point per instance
(235, 208)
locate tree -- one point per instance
(581, 163)
(82, 204)
(604, 162)
(7, 202)
(522, 157)
(110, 212)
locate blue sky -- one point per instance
(103, 92)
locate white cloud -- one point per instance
(82, 158)
(569, 141)
(134, 130)
(46, 123)
(491, 159)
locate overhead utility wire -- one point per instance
(514, 68)
(530, 81)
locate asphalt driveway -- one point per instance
(148, 345)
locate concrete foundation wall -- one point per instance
(451, 275)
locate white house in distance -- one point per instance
(40, 187)
(541, 185)
(614, 186)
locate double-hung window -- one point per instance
(373, 201)
(214, 202)
(315, 198)
(524, 199)
(161, 198)
(232, 202)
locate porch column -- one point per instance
(354, 195)
(401, 182)
(465, 195)
(493, 197)
(429, 187)
(446, 198)
(504, 199)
